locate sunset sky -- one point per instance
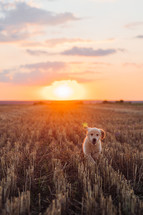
(92, 49)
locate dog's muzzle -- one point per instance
(94, 141)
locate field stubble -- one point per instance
(43, 170)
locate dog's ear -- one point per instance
(102, 134)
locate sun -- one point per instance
(63, 91)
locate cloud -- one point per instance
(44, 73)
(20, 20)
(50, 43)
(102, 64)
(89, 52)
(29, 44)
(39, 73)
(139, 37)
(37, 52)
(12, 35)
(134, 24)
(62, 41)
(24, 14)
(4, 76)
(59, 41)
(45, 66)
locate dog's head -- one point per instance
(95, 134)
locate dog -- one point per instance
(91, 146)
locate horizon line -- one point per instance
(110, 100)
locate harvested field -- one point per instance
(43, 170)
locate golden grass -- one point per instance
(43, 170)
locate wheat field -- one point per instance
(43, 170)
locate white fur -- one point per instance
(92, 143)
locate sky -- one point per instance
(92, 49)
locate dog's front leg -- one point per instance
(90, 158)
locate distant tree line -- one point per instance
(121, 101)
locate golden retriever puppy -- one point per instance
(92, 143)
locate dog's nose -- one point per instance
(94, 140)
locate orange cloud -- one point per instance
(44, 73)
(59, 41)
(133, 24)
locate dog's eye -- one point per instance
(91, 134)
(97, 135)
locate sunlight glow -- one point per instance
(63, 90)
